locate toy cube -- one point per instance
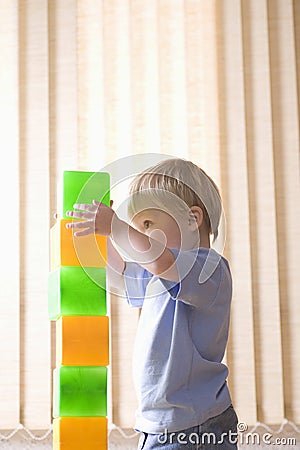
(76, 291)
(80, 391)
(70, 250)
(82, 341)
(83, 187)
(78, 433)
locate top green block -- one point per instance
(84, 187)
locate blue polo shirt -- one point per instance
(181, 339)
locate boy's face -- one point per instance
(162, 227)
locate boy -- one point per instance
(184, 288)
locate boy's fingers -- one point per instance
(85, 224)
(85, 206)
(81, 214)
(84, 232)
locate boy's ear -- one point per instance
(195, 217)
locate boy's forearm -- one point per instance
(114, 259)
(149, 253)
(115, 267)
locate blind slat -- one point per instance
(202, 85)
(117, 89)
(172, 77)
(285, 115)
(234, 172)
(91, 152)
(265, 280)
(9, 185)
(63, 95)
(34, 162)
(144, 77)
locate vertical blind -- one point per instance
(86, 82)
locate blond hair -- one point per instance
(182, 179)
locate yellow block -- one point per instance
(70, 250)
(82, 341)
(80, 433)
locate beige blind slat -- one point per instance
(34, 147)
(63, 96)
(144, 77)
(9, 187)
(202, 92)
(285, 115)
(117, 90)
(233, 147)
(262, 213)
(202, 85)
(90, 84)
(172, 77)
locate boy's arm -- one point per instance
(115, 267)
(151, 254)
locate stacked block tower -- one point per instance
(77, 302)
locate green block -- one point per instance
(75, 291)
(84, 187)
(80, 391)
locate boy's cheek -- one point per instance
(158, 235)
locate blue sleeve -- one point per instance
(136, 279)
(200, 272)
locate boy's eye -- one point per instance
(147, 224)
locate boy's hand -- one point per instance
(97, 218)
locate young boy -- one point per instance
(184, 289)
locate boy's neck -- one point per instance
(202, 243)
(204, 240)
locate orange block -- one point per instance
(70, 250)
(78, 433)
(82, 341)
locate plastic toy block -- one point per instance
(80, 391)
(82, 341)
(84, 187)
(78, 433)
(69, 250)
(76, 291)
